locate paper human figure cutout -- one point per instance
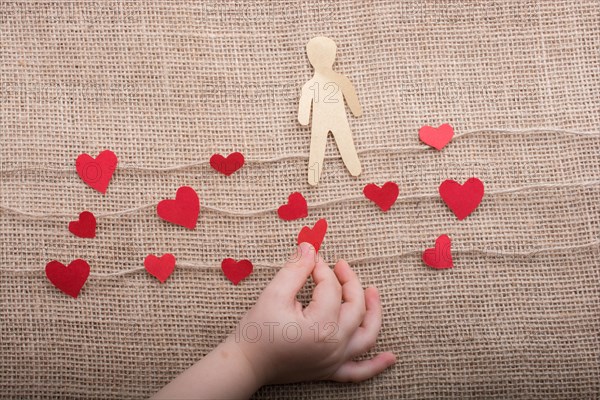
(325, 94)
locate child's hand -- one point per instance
(278, 341)
(285, 343)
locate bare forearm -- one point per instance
(224, 373)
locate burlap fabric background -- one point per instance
(165, 84)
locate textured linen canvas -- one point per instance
(166, 84)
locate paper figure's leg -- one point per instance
(318, 141)
(343, 138)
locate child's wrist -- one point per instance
(248, 367)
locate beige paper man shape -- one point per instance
(325, 92)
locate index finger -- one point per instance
(293, 275)
(327, 295)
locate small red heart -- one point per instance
(97, 172)
(462, 199)
(295, 208)
(228, 165)
(160, 267)
(183, 210)
(439, 257)
(85, 227)
(235, 271)
(436, 137)
(69, 279)
(384, 196)
(315, 235)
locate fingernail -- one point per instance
(306, 249)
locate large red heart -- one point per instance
(315, 235)
(97, 172)
(384, 196)
(183, 210)
(462, 199)
(439, 257)
(235, 271)
(228, 165)
(69, 279)
(436, 137)
(295, 208)
(160, 267)
(85, 226)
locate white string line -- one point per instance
(330, 157)
(362, 260)
(311, 206)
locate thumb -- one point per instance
(293, 275)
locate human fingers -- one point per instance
(327, 295)
(293, 275)
(353, 309)
(357, 371)
(365, 336)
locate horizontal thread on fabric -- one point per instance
(362, 260)
(311, 206)
(330, 157)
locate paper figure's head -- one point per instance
(321, 52)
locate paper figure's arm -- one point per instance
(305, 105)
(350, 96)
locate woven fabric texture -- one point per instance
(167, 84)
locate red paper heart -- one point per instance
(295, 208)
(228, 165)
(69, 279)
(436, 137)
(439, 257)
(384, 196)
(235, 271)
(85, 226)
(462, 199)
(160, 267)
(97, 172)
(315, 235)
(183, 210)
